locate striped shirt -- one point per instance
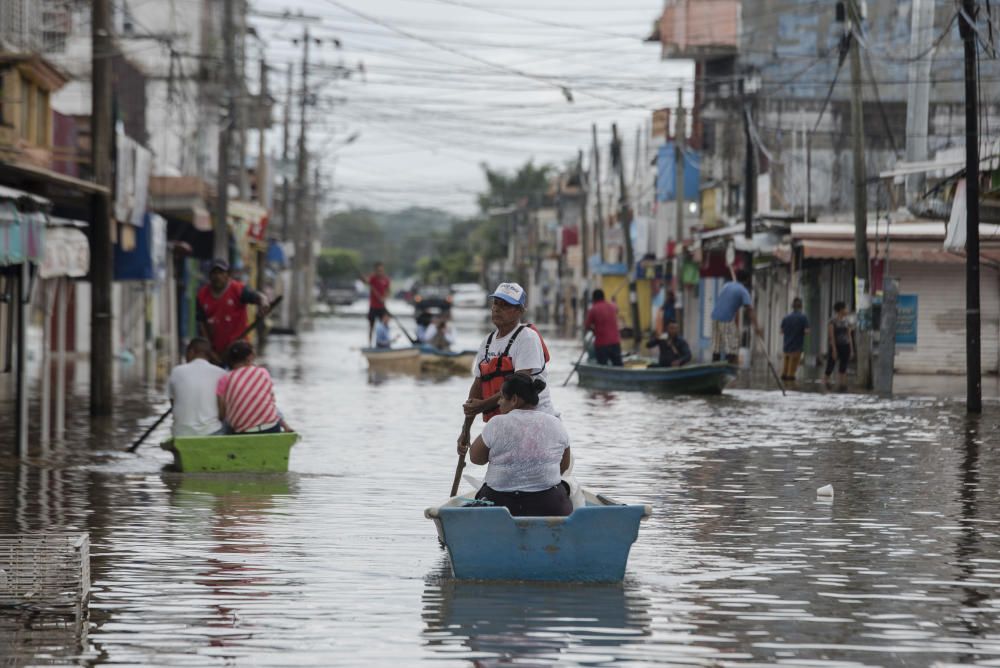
(249, 396)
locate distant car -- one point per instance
(470, 295)
(432, 297)
(341, 294)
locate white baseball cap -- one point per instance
(512, 293)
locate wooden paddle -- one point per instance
(770, 365)
(578, 359)
(466, 428)
(170, 410)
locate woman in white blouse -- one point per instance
(527, 452)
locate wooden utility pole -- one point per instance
(299, 288)
(974, 389)
(286, 204)
(101, 250)
(749, 181)
(863, 289)
(625, 218)
(600, 200)
(262, 120)
(220, 239)
(242, 106)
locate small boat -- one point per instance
(435, 360)
(590, 545)
(396, 360)
(257, 453)
(709, 378)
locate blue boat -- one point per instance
(709, 378)
(590, 545)
(435, 360)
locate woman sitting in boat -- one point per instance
(246, 394)
(527, 452)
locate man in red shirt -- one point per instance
(378, 292)
(222, 307)
(602, 319)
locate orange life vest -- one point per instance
(493, 372)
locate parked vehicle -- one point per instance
(432, 297)
(469, 295)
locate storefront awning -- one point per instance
(67, 253)
(897, 251)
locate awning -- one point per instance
(22, 235)
(898, 251)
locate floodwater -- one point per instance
(333, 564)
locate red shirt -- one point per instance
(249, 396)
(378, 289)
(226, 314)
(603, 319)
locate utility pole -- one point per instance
(101, 250)
(807, 139)
(918, 90)
(600, 200)
(584, 231)
(242, 106)
(263, 178)
(286, 204)
(680, 142)
(863, 289)
(300, 289)
(974, 389)
(220, 241)
(749, 182)
(625, 217)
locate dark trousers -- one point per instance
(551, 502)
(843, 357)
(609, 354)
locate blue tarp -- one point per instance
(666, 181)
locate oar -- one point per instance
(578, 360)
(770, 365)
(400, 325)
(466, 427)
(163, 417)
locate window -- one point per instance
(24, 102)
(41, 117)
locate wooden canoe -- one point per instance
(256, 453)
(590, 545)
(393, 360)
(709, 378)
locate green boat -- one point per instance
(257, 453)
(709, 378)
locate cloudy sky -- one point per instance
(449, 84)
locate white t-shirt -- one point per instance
(526, 447)
(432, 331)
(191, 387)
(526, 353)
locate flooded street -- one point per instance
(333, 564)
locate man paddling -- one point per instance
(222, 307)
(191, 388)
(511, 348)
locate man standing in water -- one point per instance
(222, 307)
(511, 348)
(378, 293)
(725, 333)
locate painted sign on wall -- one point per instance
(906, 320)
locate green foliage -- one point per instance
(525, 186)
(335, 265)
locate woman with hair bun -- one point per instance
(527, 451)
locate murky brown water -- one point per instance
(333, 564)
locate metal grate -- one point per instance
(45, 571)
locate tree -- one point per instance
(356, 230)
(528, 185)
(336, 265)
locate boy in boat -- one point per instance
(191, 388)
(383, 337)
(674, 350)
(511, 347)
(440, 333)
(246, 395)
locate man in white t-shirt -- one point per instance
(191, 388)
(511, 347)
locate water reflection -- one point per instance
(531, 624)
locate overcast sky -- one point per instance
(449, 84)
